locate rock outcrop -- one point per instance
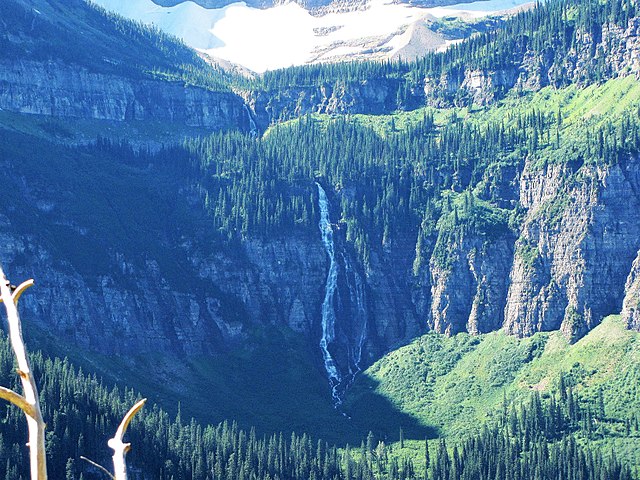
(575, 249)
(563, 269)
(69, 91)
(469, 294)
(374, 96)
(631, 304)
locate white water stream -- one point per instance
(359, 312)
(252, 123)
(328, 311)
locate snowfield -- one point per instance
(285, 35)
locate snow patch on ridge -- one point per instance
(287, 34)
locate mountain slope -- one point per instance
(457, 385)
(203, 282)
(263, 35)
(558, 44)
(71, 60)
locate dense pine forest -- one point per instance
(448, 175)
(532, 440)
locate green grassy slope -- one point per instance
(457, 384)
(594, 104)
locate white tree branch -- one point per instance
(30, 403)
(17, 399)
(120, 448)
(19, 290)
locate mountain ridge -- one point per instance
(309, 4)
(294, 33)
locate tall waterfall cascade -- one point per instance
(352, 311)
(328, 312)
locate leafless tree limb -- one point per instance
(120, 448)
(30, 402)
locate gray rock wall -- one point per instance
(565, 269)
(69, 91)
(469, 296)
(631, 305)
(575, 248)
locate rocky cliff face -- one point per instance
(631, 304)
(576, 247)
(373, 96)
(469, 294)
(565, 269)
(147, 310)
(70, 91)
(223, 296)
(278, 281)
(394, 317)
(134, 310)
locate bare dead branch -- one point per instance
(20, 290)
(30, 402)
(16, 292)
(17, 399)
(120, 448)
(97, 465)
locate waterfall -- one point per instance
(328, 311)
(359, 315)
(252, 123)
(351, 312)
